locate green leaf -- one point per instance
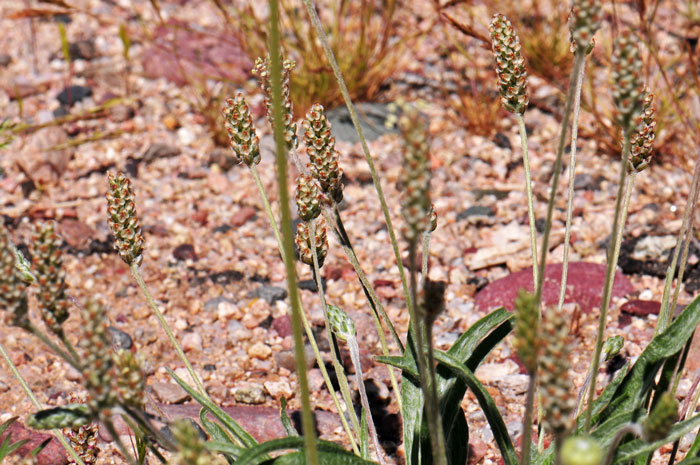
(364, 436)
(414, 432)
(286, 421)
(329, 453)
(603, 399)
(66, 416)
(229, 423)
(631, 393)
(225, 447)
(218, 435)
(637, 447)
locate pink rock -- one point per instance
(641, 307)
(52, 454)
(241, 216)
(584, 285)
(283, 325)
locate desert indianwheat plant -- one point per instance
(584, 400)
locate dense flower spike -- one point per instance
(510, 65)
(664, 414)
(241, 131)
(97, 362)
(48, 269)
(83, 439)
(628, 87)
(308, 198)
(555, 384)
(13, 290)
(303, 242)
(340, 323)
(320, 146)
(262, 71)
(415, 176)
(584, 21)
(190, 447)
(123, 220)
(643, 137)
(526, 323)
(131, 384)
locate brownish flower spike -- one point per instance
(123, 220)
(320, 146)
(415, 176)
(510, 65)
(628, 86)
(48, 269)
(13, 293)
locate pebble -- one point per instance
(242, 216)
(185, 136)
(169, 393)
(237, 332)
(252, 394)
(170, 122)
(185, 252)
(82, 50)
(278, 389)
(475, 210)
(286, 359)
(120, 339)
(157, 150)
(73, 94)
(491, 373)
(270, 294)
(4, 387)
(5, 59)
(260, 351)
(192, 342)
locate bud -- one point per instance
(13, 290)
(131, 384)
(510, 65)
(123, 220)
(555, 383)
(241, 131)
(415, 176)
(664, 414)
(303, 242)
(97, 362)
(526, 323)
(628, 88)
(581, 450)
(433, 219)
(340, 323)
(642, 141)
(262, 71)
(50, 277)
(584, 21)
(308, 198)
(320, 146)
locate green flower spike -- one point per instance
(415, 176)
(581, 450)
(190, 447)
(628, 87)
(584, 21)
(320, 147)
(123, 220)
(510, 65)
(341, 324)
(48, 269)
(262, 71)
(13, 289)
(241, 131)
(664, 414)
(308, 198)
(526, 323)
(131, 384)
(303, 242)
(97, 361)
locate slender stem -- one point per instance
(528, 190)
(266, 204)
(557, 449)
(316, 22)
(164, 324)
(288, 249)
(339, 371)
(120, 444)
(629, 187)
(69, 346)
(424, 257)
(435, 401)
(30, 394)
(355, 357)
(572, 172)
(613, 250)
(51, 345)
(578, 64)
(527, 420)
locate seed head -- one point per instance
(97, 361)
(123, 221)
(262, 71)
(526, 323)
(241, 131)
(83, 439)
(13, 289)
(555, 384)
(131, 384)
(415, 176)
(303, 242)
(341, 324)
(320, 146)
(664, 414)
(190, 447)
(50, 277)
(642, 140)
(308, 198)
(510, 65)
(628, 87)
(584, 21)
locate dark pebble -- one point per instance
(82, 50)
(72, 94)
(540, 224)
(185, 252)
(475, 210)
(270, 294)
(209, 367)
(60, 111)
(224, 228)
(158, 150)
(586, 182)
(120, 339)
(310, 284)
(502, 141)
(5, 59)
(641, 307)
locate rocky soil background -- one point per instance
(211, 260)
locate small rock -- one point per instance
(502, 141)
(491, 373)
(120, 339)
(73, 94)
(475, 210)
(5, 60)
(20, 87)
(76, 233)
(120, 113)
(170, 122)
(310, 284)
(641, 307)
(242, 216)
(286, 359)
(4, 387)
(192, 342)
(169, 393)
(270, 294)
(223, 158)
(82, 50)
(185, 136)
(260, 351)
(278, 389)
(60, 112)
(185, 252)
(226, 309)
(157, 150)
(52, 454)
(283, 325)
(237, 332)
(252, 394)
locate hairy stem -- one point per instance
(286, 222)
(527, 420)
(528, 190)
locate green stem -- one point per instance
(528, 190)
(286, 223)
(117, 440)
(572, 172)
(68, 345)
(434, 399)
(266, 204)
(164, 324)
(526, 442)
(613, 250)
(339, 371)
(51, 345)
(356, 122)
(30, 394)
(424, 257)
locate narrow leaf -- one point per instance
(633, 449)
